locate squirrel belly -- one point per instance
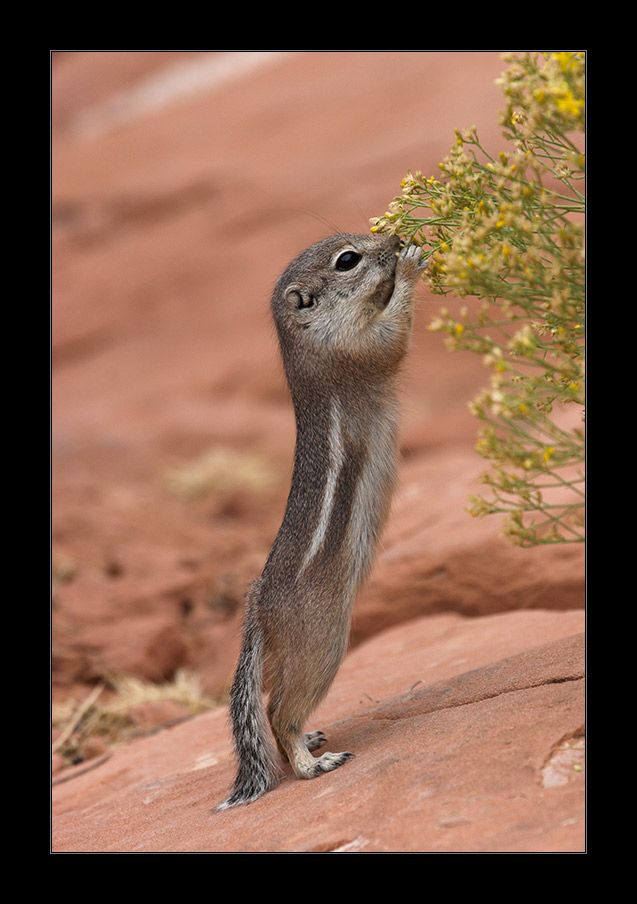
(343, 313)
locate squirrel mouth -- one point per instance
(380, 298)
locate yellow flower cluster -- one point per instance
(492, 231)
(546, 91)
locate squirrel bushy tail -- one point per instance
(258, 768)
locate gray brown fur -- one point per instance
(343, 334)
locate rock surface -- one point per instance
(183, 182)
(457, 750)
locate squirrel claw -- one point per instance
(314, 740)
(413, 254)
(330, 761)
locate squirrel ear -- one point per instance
(299, 297)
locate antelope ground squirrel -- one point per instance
(343, 313)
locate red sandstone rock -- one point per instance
(453, 729)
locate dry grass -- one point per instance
(220, 470)
(112, 719)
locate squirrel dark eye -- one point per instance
(347, 260)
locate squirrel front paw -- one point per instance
(410, 264)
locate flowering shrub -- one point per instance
(506, 235)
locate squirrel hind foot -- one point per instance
(297, 748)
(327, 763)
(315, 766)
(314, 740)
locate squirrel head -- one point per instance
(329, 303)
